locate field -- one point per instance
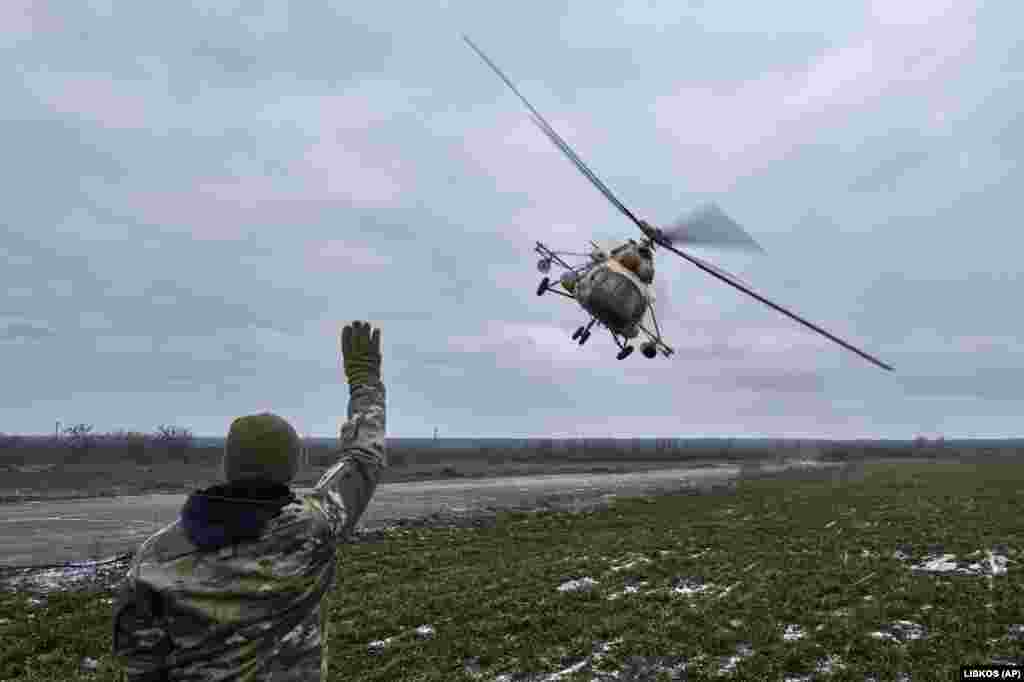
(885, 571)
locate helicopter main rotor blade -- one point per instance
(546, 128)
(715, 272)
(710, 226)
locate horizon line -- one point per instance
(606, 437)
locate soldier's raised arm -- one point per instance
(346, 488)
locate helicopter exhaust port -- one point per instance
(544, 265)
(649, 350)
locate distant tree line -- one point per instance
(81, 438)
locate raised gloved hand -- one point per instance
(360, 352)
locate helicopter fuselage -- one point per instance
(615, 288)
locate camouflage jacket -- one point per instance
(233, 589)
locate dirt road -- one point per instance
(38, 533)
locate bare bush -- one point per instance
(80, 438)
(9, 440)
(176, 439)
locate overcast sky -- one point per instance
(198, 195)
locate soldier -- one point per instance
(234, 588)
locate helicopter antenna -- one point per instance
(546, 128)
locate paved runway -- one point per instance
(36, 533)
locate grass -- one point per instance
(782, 578)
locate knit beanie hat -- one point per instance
(261, 447)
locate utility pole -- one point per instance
(56, 431)
(435, 436)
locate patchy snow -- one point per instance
(994, 564)
(793, 633)
(937, 564)
(690, 586)
(70, 576)
(378, 645)
(629, 589)
(581, 585)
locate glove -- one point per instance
(360, 352)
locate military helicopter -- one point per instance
(614, 285)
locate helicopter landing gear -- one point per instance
(625, 350)
(583, 333)
(649, 350)
(545, 284)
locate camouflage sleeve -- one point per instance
(140, 642)
(345, 489)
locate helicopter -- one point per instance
(613, 285)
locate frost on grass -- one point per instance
(585, 665)
(901, 631)
(637, 561)
(422, 632)
(600, 650)
(646, 668)
(824, 666)
(728, 664)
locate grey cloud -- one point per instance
(780, 381)
(985, 383)
(890, 170)
(180, 200)
(20, 330)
